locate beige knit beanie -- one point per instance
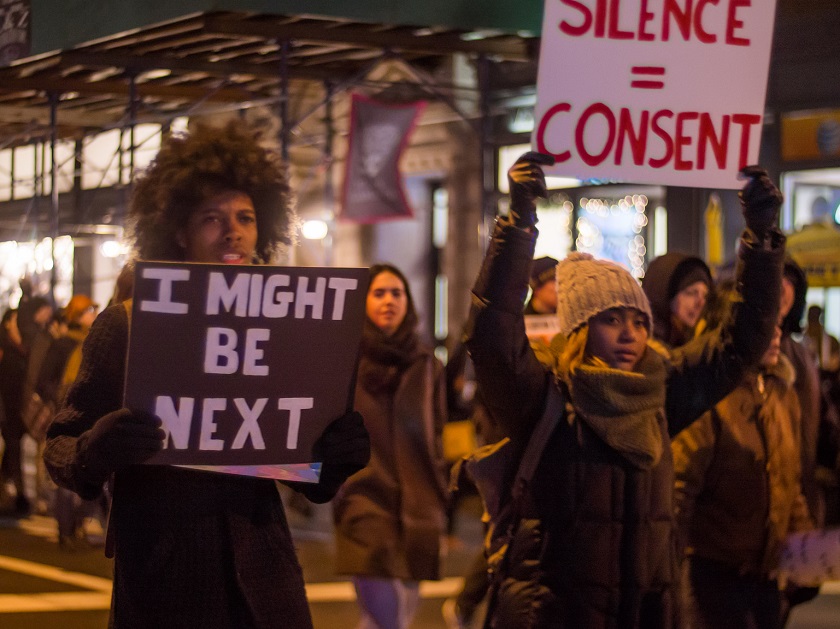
(586, 286)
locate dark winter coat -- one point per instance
(390, 516)
(738, 490)
(191, 549)
(609, 550)
(52, 368)
(807, 385)
(12, 374)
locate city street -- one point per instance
(42, 587)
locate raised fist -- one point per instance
(760, 200)
(527, 184)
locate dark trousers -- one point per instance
(717, 596)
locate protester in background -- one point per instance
(192, 549)
(58, 371)
(738, 495)
(79, 314)
(543, 287)
(390, 516)
(12, 375)
(825, 346)
(678, 287)
(31, 405)
(815, 410)
(594, 544)
(34, 315)
(124, 286)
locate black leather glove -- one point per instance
(527, 183)
(121, 439)
(760, 201)
(344, 448)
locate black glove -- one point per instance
(121, 439)
(344, 448)
(527, 183)
(760, 201)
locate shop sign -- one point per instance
(811, 135)
(816, 248)
(245, 365)
(653, 91)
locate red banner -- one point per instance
(379, 132)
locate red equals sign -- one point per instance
(647, 71)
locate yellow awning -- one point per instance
(816, 248)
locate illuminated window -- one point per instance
(613, 229)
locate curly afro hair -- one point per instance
(190, 168)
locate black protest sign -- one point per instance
(245, 365)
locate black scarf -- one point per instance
(387, 356)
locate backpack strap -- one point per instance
(554, 406)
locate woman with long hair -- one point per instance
(390, 516)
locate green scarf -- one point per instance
(621, 407)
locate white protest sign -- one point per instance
(542, 327)
(664, 92)
(245, 365)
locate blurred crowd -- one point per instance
(627, 517)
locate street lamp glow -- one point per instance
(110, 249)
(314, 229)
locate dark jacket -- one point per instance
(807, 387)
(191, 549)
(12, 374)
(737, 470)
(609, 555)
(390, 516)
(51, 373)
(815, 410)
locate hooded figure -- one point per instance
(677, 286)
(806, 384)
(543, 288)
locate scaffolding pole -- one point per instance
(329, 189)
(54, 207)
(488, 179)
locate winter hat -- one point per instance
(690, 271)
(586, 286)
(76, 307)
(542, 270)
(668, 274)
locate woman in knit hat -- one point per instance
(678, 287)
(599, 506)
